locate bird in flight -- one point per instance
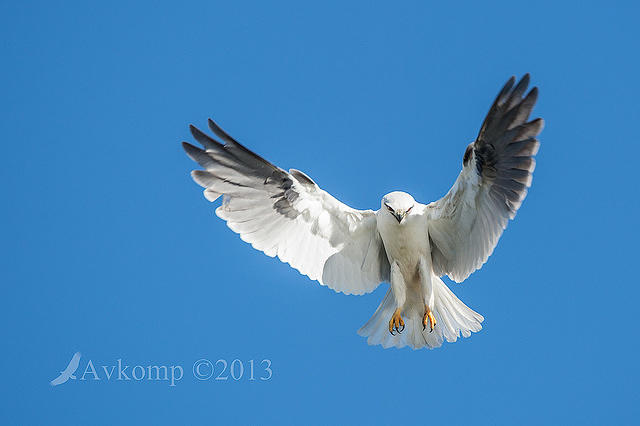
(67, 373)
(405, 243)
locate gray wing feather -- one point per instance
(465, 224)
(286, 214)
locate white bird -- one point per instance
(406, 243)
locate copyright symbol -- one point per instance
(202, 369)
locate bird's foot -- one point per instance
(428, 319)
(395, 323)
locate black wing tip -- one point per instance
(195, 153)
(538, 123)
(217, 130)
(524, 81)
(205, 140)
(195, 132)
(188, 148)
(511, 88)
(212, 123)
(507, 87)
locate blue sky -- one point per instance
(109, 248)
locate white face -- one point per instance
(398, 205)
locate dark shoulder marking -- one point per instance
(467, 155)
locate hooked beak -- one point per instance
(399, 215)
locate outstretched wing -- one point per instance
(286, 214)
(465, 225)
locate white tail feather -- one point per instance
(453, 318)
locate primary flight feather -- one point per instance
(408, 244)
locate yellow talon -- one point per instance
(396, 322)
(428, 318)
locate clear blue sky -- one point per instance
(109, 248)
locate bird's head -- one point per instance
(398, 204)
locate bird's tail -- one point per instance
(452, 319)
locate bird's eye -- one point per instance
(409, 209)
(389, 208)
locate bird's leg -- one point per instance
(426, 279)
(396, 324)
(429, 319)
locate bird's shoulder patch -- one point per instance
(467, 154)
(302, 178)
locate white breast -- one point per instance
(404, 242)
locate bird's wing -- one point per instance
(73, 364)
(286, 214)
(62, 378)
(465, 225)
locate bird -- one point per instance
(67, 373)
(407, 244)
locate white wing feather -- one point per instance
(285, 214)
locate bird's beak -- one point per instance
(399, 215)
